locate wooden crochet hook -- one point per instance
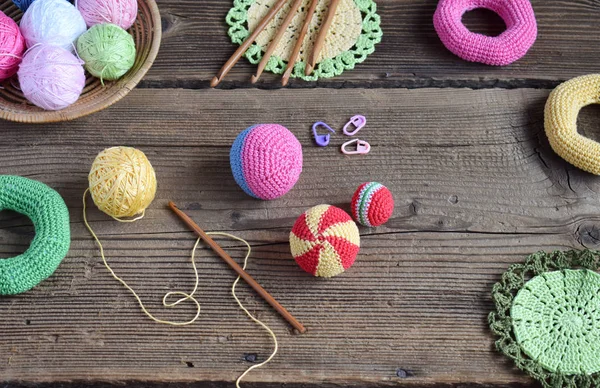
(239, 270)
(244, 46)
(299, 43)
(312, 62)
(273, 45)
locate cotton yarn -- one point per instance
(107, 50)
(55, 22)
(325, 241)
(372, 204)
(120, 12)
(23, 5)
(502, 50)
(266, 161)
(562, 109)
(51, 77)
(12, 46)
(122, 182)
(49, 214)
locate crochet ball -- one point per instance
(122, 182)
(55, 22)
(325, 241)
(372, 204)
(120, 12)
(107, 50)
(51, 77)
(266, 161)
(12, 46)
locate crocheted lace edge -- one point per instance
(503, 294)
(365, 45)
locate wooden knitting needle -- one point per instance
(244, 46)
(312, 62)
(299, 43)
(240, 271)
(271, 49)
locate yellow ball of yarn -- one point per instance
(122, 182)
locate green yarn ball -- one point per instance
(107, 50)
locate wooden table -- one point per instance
(461, 145)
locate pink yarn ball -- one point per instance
(51, 77)
(120, 12)
(12, 46)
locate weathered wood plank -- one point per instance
(195, 45)
(477, 189)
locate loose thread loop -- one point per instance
(184, 295)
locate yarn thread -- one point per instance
(12, 46)
(49, 214)
(120, 12)
(185, 296)
(266, 161)
(51, 77)
(562, 108)
(107, 50)
(122, 183)
(502, 50)
(372, 204)
(325, 241)
(53, 22)
(570, 289)
(355, 31)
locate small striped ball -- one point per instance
(266, 161)
(325, 241)
(372, 204)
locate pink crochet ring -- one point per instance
(502, 50)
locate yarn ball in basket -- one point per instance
(122, 182)
(12, 46)
(372, 204)
(266, 161)
(23, 5)
(51, 77)
(107, 50)
(55, 22)
(325, 241)
(120, 12)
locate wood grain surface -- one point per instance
(195, 45)
(461, 146)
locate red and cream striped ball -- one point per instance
(325, 241)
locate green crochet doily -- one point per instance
(237, 19)
(548, 317)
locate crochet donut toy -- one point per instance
(47, 211)
(563, 107)
(502, 50)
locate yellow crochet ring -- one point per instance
(562, 109)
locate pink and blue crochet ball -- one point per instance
(266, 161)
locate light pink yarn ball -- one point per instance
(51, 77)
(120, 12)
(12, 46)
(55, 22)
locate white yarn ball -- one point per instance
(54, 22)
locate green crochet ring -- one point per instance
(548, 317)
(47, 211)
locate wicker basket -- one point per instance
(146, 33)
